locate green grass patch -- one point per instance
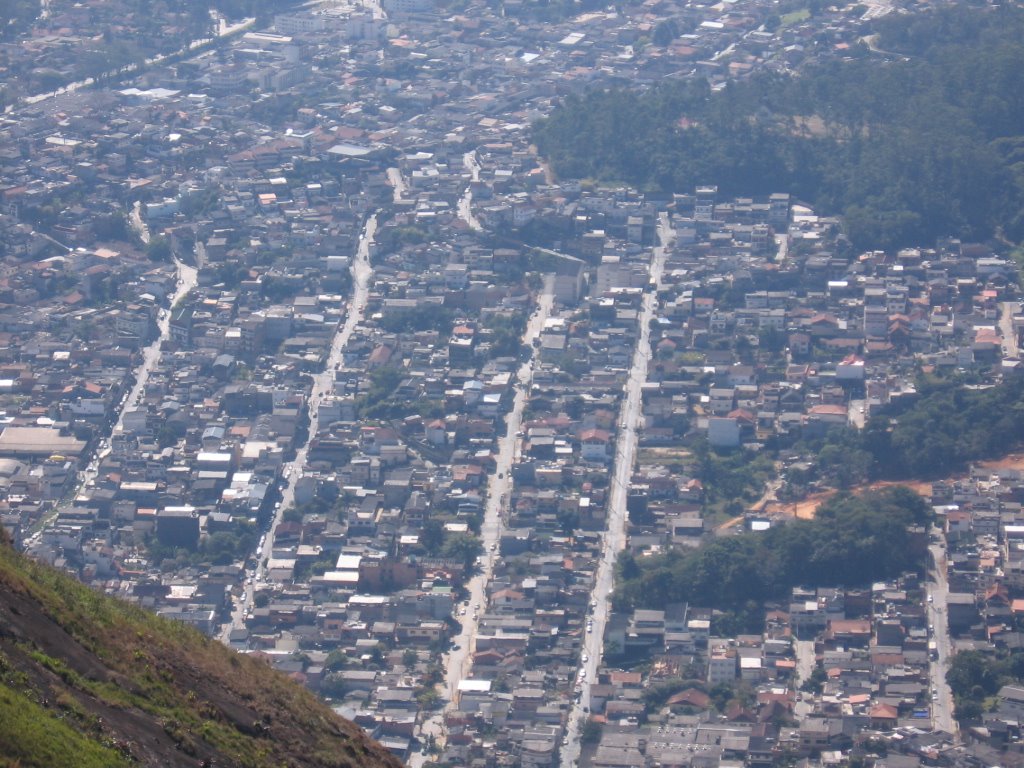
(32, 736)
(795, 17)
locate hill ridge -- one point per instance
(86, 679)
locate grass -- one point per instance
(795, 17)
(663, 456)
(31, 736)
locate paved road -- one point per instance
(938, 591)
(187, 279)
(857, 411)
(458, 664)
(397, 182)
(466, 201)
(322, 383)
(805, 663)
(615, 534)
(1006, 312)
(224, 30)
(782, 245)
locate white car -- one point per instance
(585, 658)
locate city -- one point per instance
(283, 360)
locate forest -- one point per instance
(923, 143)
(948, 427)
(853, 540)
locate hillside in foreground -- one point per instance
(86, 680)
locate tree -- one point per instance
(158, 249)
(664, 33)
(432, 536)
(591, 731)
(816, 681)
(464, 547)
(428, 698)
(336, 659)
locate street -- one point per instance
(397, 182)
(615, 534)
(1007, 310)
(938, 591)
(224, 31)
(466, 201)
(805, 663)
(323, 382)
(458, 663)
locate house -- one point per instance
(594, 445)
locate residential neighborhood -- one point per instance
(302, 344)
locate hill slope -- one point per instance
(86, 680)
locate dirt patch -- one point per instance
(1013, 461)
(807, 507)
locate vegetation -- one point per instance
(18, 15)
(88, 680)
(906, 150)
(158, 249)
(731, 478)
(431, 317)
(507, 334)
(29, 736)
(949, 426)
(853, 540)
(975, 678)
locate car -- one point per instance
(493, 546)
(476, 606)
(583, 674)
(585, 658)
(590, 627)
(462, 612)
(931, 598)
(456, 647)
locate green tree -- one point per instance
(432, 536)
(158, 249)
(464, 547)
